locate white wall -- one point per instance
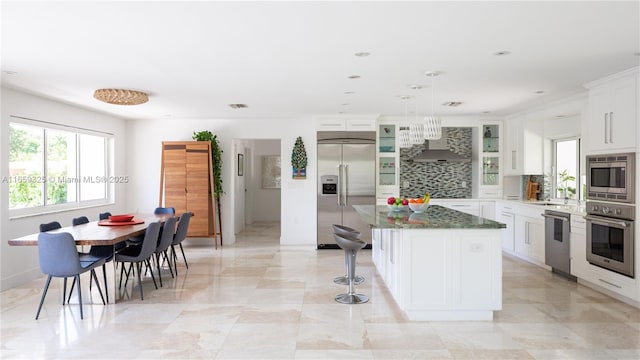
(266, 202)
(20, 264)
(144, 139)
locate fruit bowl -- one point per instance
(418, 207)
(399, 207)
(120, 218)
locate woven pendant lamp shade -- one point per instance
(432, 128)
(121, 96)
(404, 140)
(416, 135)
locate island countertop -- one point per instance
(435, 217)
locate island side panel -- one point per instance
(450, 274)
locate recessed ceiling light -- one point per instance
(502, 53)
(452, 103)
(433, 73)
(345, 104)
(540, 92)
(354, 76)
(404, 97)
(9, 72)
(415, 87)
(340, 112)
(362, 54)
(349, 92)
(486, 112)
(238, 106)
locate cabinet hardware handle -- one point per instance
(606, 128)
(555, 217)
(611, 127)
(185, 190)
(609, 283)
(526, 233)
(606, 220)
(513, 159)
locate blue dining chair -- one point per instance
(139, 255)
(164, 242)
(95, 252)
(58, 257)
(135, 241)
(178, 238)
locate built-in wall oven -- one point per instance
(611, 177)
(610, 236)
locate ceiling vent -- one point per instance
(452, 103)
(238, 106)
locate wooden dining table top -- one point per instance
(92, 233)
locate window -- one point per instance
(566, 168)
(56, 167)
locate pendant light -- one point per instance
(432, 124)
(404, 138)
(416, 129)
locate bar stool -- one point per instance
(345, 230)
(351, 246)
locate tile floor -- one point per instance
(257, 300)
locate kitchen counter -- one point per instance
(435, 217)
(572, 208)
(440, 265)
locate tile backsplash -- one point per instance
(441, 180)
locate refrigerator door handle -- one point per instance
(345, 174)
(339, 195)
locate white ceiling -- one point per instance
(287, 59)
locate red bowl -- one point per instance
(120, 218)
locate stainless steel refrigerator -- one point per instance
(346, 177)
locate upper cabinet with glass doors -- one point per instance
(490, 160)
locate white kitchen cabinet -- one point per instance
(345, 124)
(506, 215)
(490, 184)
(525, 145)
(529, 238)
(465, 206)
(487, 209)
(387, 161)
(613, 107)
(578, 251)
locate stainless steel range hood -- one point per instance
(438, 151)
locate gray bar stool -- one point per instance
(345, 230)
(351, 246)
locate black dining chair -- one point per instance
(58, 257)
(50, 226)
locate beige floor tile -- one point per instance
(259, 300)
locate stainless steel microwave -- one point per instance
(611, 177)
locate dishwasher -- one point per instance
(557, 249)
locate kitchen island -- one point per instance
(439, 265)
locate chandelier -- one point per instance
(121, 96)
(432, 124)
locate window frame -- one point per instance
(554, 168)
(77, 204)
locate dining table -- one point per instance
(101, 233)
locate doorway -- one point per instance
(257, 192)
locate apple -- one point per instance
(398, 201)
(391, 200)
(405, 202)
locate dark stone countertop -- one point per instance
(435, 217)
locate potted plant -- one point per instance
(216, 156)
